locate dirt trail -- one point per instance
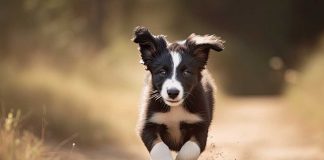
(259, 129)
(245, 129)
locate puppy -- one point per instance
(178, 94)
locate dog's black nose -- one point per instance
(173, 92)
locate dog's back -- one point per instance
(209, 90)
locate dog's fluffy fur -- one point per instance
(178, 95)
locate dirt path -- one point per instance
(259, 129)
(245, 129)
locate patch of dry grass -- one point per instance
(17, 145)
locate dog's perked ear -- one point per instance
(150, 45)
(199, 46)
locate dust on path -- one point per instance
(259, 129)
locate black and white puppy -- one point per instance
(178, 94)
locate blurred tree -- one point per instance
(255, 31)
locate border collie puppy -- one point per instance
(178, 94)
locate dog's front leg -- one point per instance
(157, 148)
(189, 151)
(193, 148)
(160, 151)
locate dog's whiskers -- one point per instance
(156, 96)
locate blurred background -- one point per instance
(70, 78)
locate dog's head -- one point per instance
(175, 67)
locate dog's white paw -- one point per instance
(189, 151)
(160, 151)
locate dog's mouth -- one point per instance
(172, 102)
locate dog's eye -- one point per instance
(162, 72)
(187, 73)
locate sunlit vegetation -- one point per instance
(95, 98)
(16, 144)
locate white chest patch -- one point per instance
(173, 118)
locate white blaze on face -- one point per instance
(173, 83)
